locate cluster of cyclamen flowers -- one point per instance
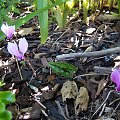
(17, 50)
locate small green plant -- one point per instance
(63, 69)
(6, 97)
(61, 12)
(6, 7)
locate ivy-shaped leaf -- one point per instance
(7, 97)
(5, 115)
(63, 68)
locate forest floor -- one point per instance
(40, 97)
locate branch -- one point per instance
(88, 54)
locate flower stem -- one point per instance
(28, 61)
(19, 69)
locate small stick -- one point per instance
(28, 61)
(19, 69)
(103, 108)
(88, 54)
(115, 109)
(114, 101)
(61, 110)
(102, 103)
(59, 38)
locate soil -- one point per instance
(38, 97)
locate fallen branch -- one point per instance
(88, 54)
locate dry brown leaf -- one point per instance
(81, 101)
(69, 90)
(25, 31)
(44, 61)
(101, 86)
(89, 49)
(50, 78)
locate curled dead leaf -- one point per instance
(82, 100)
(69, 90)
(25, 31)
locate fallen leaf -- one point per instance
(81, 101)
(44, 61)
(38, 55)
(25, 31)
(101, 86)
(89, 49)
(69, 90)
(50, 78)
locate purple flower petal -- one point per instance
(13, 49)
(8, 30)
(115, 77)
(23, 45)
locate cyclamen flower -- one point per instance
(18, 50)
(115, 77)
(8, 30)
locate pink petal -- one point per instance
(10, 31)
(23, 45)
(115, 77)
(13, 49)
(4, 28)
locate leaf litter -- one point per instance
(49, 96)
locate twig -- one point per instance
(114, 101)
(90, 74)
(102, 103)
(115, 109)
(19, 69)
(34, 72)
(89, 54)
(104, 70)
(102, 110)
(59, 38)
(61, 110)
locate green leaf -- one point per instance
(2, 107)
(63, 68)
(1, 83)
(19, 22)
(43, 20)
(7, 97)
(5, 115)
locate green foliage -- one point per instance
(19, 22)
(85, 9)
(43, 19)
(63, 68)
(1, 83)
(6, 97)
(61, 12)
(119, 6)
(6, 7)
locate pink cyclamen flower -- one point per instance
(8, 30)
(115, 77)
(18, 50)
